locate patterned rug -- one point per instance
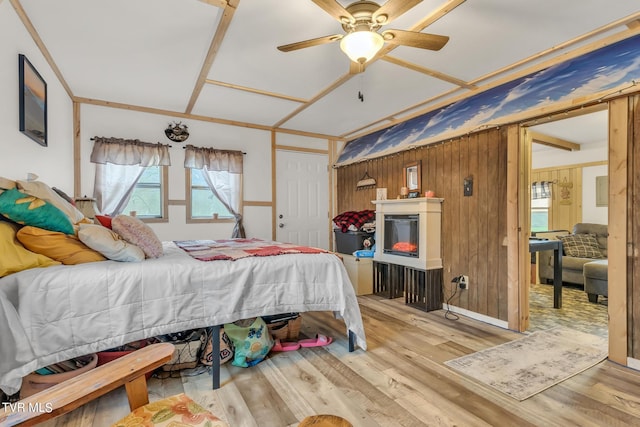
(529, 365)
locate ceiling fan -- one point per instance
(361, 21)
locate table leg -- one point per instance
(557, 278)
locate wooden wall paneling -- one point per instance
(458, 267)
(617, 241)
(476, 257)
(633, 225)
(502, 285)
(493, 210)
(481, 191)
(465, 215)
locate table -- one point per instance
(536, 245)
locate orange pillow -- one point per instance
(67, 249)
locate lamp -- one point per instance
(361, 46)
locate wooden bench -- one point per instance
(128, 371)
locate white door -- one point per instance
(302, 205)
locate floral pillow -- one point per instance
(30, 210)
(178, 410)
(581, 245)
(140, 234)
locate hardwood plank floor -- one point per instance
(401, 380)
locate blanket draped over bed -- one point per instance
(233, 249)
(52, 314)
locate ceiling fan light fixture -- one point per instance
(361, 46)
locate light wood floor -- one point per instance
(400, 381)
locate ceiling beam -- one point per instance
(258, 91)
(433, 17)
(217, 3)
(428, 71)
(151, 110)
(223, 26)
(43, 48)
(634, 24)
(552, 141)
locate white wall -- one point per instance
(111, 122)
(20, 154)
(597, 152)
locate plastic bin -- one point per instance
(350, 241)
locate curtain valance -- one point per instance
(129, 152)
(213, 159)
(541, 190)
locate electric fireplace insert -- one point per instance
(401, 235)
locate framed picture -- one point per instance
(33, 102)
(412, 175)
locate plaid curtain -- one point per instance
(541, 190)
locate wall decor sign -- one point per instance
(33, 102)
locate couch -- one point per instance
(572, 266)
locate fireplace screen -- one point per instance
(401, 235)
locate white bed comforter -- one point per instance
(52, 314)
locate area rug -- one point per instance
(529, 365)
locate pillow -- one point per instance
(581, 245)
(7, 184)
(140, 234)
(109, 243)
(105, 220)
(59, 246)
(14, 256)
(29, 210)
(46, 193)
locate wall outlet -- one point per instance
(463, 283)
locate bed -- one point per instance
(52, 314)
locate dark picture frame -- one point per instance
(33, 102)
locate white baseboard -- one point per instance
(477, 316)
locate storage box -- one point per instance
(351, 241)
(360, 271)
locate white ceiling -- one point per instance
(150, 53)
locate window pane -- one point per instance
(539, 219)
(203, 202)
(146, 199)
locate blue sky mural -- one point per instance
(606, 68)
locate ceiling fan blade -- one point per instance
(335, 9)
(392, 9)
(415, 39)
(309, 43)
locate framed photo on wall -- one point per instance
(33, 102)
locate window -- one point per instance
(147, 199)
(540, 214)
(203, 204)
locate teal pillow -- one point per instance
(29, 210)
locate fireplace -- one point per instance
(401, 235)
(408, 232)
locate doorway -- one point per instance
(302, 201)
(568, 163)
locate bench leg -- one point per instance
(137, 392)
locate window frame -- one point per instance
(190, 219)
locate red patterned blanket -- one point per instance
(233, 249)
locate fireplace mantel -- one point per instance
(429, 211)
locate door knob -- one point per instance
(281, 225)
